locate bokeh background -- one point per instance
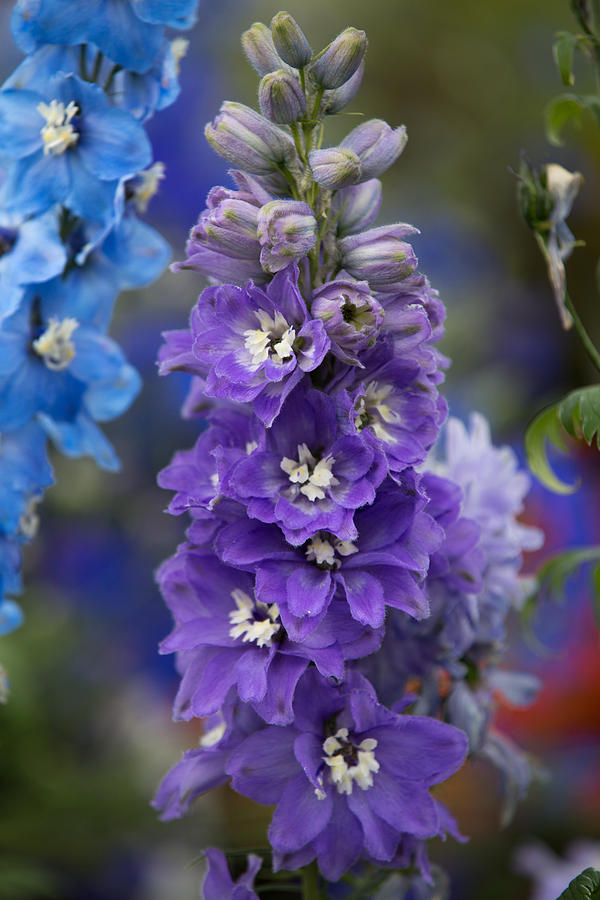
(86, 734)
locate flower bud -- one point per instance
(379, 255)
(224, 242)
(350, 314)
(281, 98)
(289, 40)
(357, 206)
(248, 140)
(287, 229)
(335, 100)
(339, 61)
(335, 167)
(257, 44)
(377, 146)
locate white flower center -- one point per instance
(373, 412)
(253, 620)
(54, 345)
(312, 475)
(322, 549)
(349, 763)
(146, 185)
(274, 339)
(58, 134)
(179, 47)
(29, 520)
(213, 736)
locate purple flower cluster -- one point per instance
(326, 563)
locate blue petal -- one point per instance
(107, 401)
(11, 616)
(114, 144)
(120, 34)
(38, 253)
(52, 22)
(138, 252)
(174, 13)
(20, 123)
(86, 294)
(36, 183)
(36, 70)
(81, 438)
(89, 197)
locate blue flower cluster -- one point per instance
(75, 167)
(339, 602)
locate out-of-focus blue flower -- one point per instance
(31, 252)
(130, 33)
(67, 146)
(24, 473)
(67, 373)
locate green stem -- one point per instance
(586, 340)
(310, 883)
(97, 66)
(295, 129)
(114, 71)
(82, 66)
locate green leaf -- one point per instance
(563, 50)
(579, 413)
(551, 580)
(558, 112)
(585, 887)
(546, 427)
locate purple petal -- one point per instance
(300, 815)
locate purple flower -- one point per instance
(281, 98)
(351, 315)
(393, 405)
(350, 778)
(218, 883)
(380, 256)
(287, 229)
(335, 167)
(381, 567)
(225, 637)
(338, 62)
(305, 476)
(223, 245)
(255, 345)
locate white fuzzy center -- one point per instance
(58, 134)
(313, 476)
(322, 549)
(253, 620)
(274, 339)
(350, 764)
(54, 345)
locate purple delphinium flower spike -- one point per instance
(351, 314)
(348, 776)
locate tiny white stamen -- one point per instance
(58, 134)
(251, 446)
(321, 551)
(146, 185)
(54, 345)
(346, 548)
(246, 627)
(213, 736)
(343, 775)
(179, 47)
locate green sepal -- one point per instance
(585, 887)
(551, 580)
(579, 414)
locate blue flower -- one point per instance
(67, 146)
(130, 33)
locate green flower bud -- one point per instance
(290, 41)
(281, 98)
(339, 61)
